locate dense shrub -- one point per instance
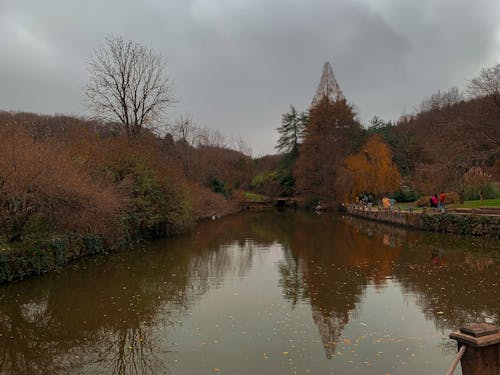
(90, 181)
(41, 186)
(71, 188)
(406, 195)
(207, 204)
(219, 187)
(157, 193)
(490, 191)
(278, 182)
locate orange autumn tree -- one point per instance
(370, 170)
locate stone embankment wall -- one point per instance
(470, 224)
(460, 223)
(402, 218)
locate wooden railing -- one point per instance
(482, 356)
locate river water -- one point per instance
(263, 293)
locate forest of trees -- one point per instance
(451, 143)
(452, 135)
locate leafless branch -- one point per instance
(128, 84)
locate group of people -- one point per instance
(388, 203)
(435, 201)
(438, 202)
(368, 200)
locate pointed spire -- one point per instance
(328, 86)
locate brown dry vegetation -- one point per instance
(207, 156)
(39, 180)
(435, 148)
(61, 174)
(207, 162)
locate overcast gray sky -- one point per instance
(237, 65)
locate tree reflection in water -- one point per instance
(110, 314)
(331, 269)
(115, 314)
(331, 266)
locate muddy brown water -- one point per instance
(261, 293)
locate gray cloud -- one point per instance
(237, 65)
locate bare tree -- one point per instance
(243, 147)
(441, 100)
(486, 84)
(477, 178)
(487, 87)
(128, 84)
(187, 135)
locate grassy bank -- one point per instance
(466, 204)
(477, 204)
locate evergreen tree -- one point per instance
(291, 129)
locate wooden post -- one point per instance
(482, 356)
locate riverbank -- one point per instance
(36, 255)
(484, 222)
(70, 188)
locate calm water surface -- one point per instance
(270, 293)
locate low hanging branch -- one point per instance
(128, 84)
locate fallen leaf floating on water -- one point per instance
(285, 353)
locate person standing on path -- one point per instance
(434, 201)
(442, 199)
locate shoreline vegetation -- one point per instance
(71, 187)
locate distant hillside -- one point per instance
(435, 147)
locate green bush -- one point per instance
(490, 192)
(279, 182)
(406, 195)
(219, 187)
(157, 206)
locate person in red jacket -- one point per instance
(442, 198)
(434, 201)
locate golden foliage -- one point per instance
(370, 170)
